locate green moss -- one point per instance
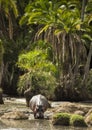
(77, 120)
(61, 119)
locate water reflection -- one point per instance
(29, 124)
(33, 125)
(25, 125)
(2, 125)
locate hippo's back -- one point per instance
(39, 100)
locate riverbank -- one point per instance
(13, 108)
(11, 104)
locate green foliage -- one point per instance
(53, 14)
(39, 58)
(77, 120)
(40, 72)
(40, 82)
(64, 18)
(45, 46)
(24, 80)
(61, 119)
(9, 4)
(36, 60)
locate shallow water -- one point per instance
(32, 124)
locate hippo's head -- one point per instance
(39, 112)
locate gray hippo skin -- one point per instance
(39, 105)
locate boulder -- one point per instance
(15, 115)
(77, 120)
(79, 112)
(61, 119)
(88, 117)
(71, 108)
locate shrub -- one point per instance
(61, 119)
(77, 120)
(39, 81)
(39, 70)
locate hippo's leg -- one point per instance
(35, 116)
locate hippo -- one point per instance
(39, 105)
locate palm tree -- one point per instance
(1, 70)
(1, 61)
(60, 21)
(63, 24)
(84, 3)
(8, 11)
(86, 11)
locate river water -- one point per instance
(32, 124)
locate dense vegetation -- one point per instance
(46, 45)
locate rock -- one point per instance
(88, 120)
(77, 120)
(89, 112)
(67, 119)
(71, 108)
(61, 119)
(31, 117)
(15, 115)
(48, 114)
(67, 107)
(88, 117)
(79, 112)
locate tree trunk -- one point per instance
(1, 62)
(84, 2)
(1, 98)
(87, 66)
(10, 27)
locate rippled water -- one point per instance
(33, 125)
(29, 124)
